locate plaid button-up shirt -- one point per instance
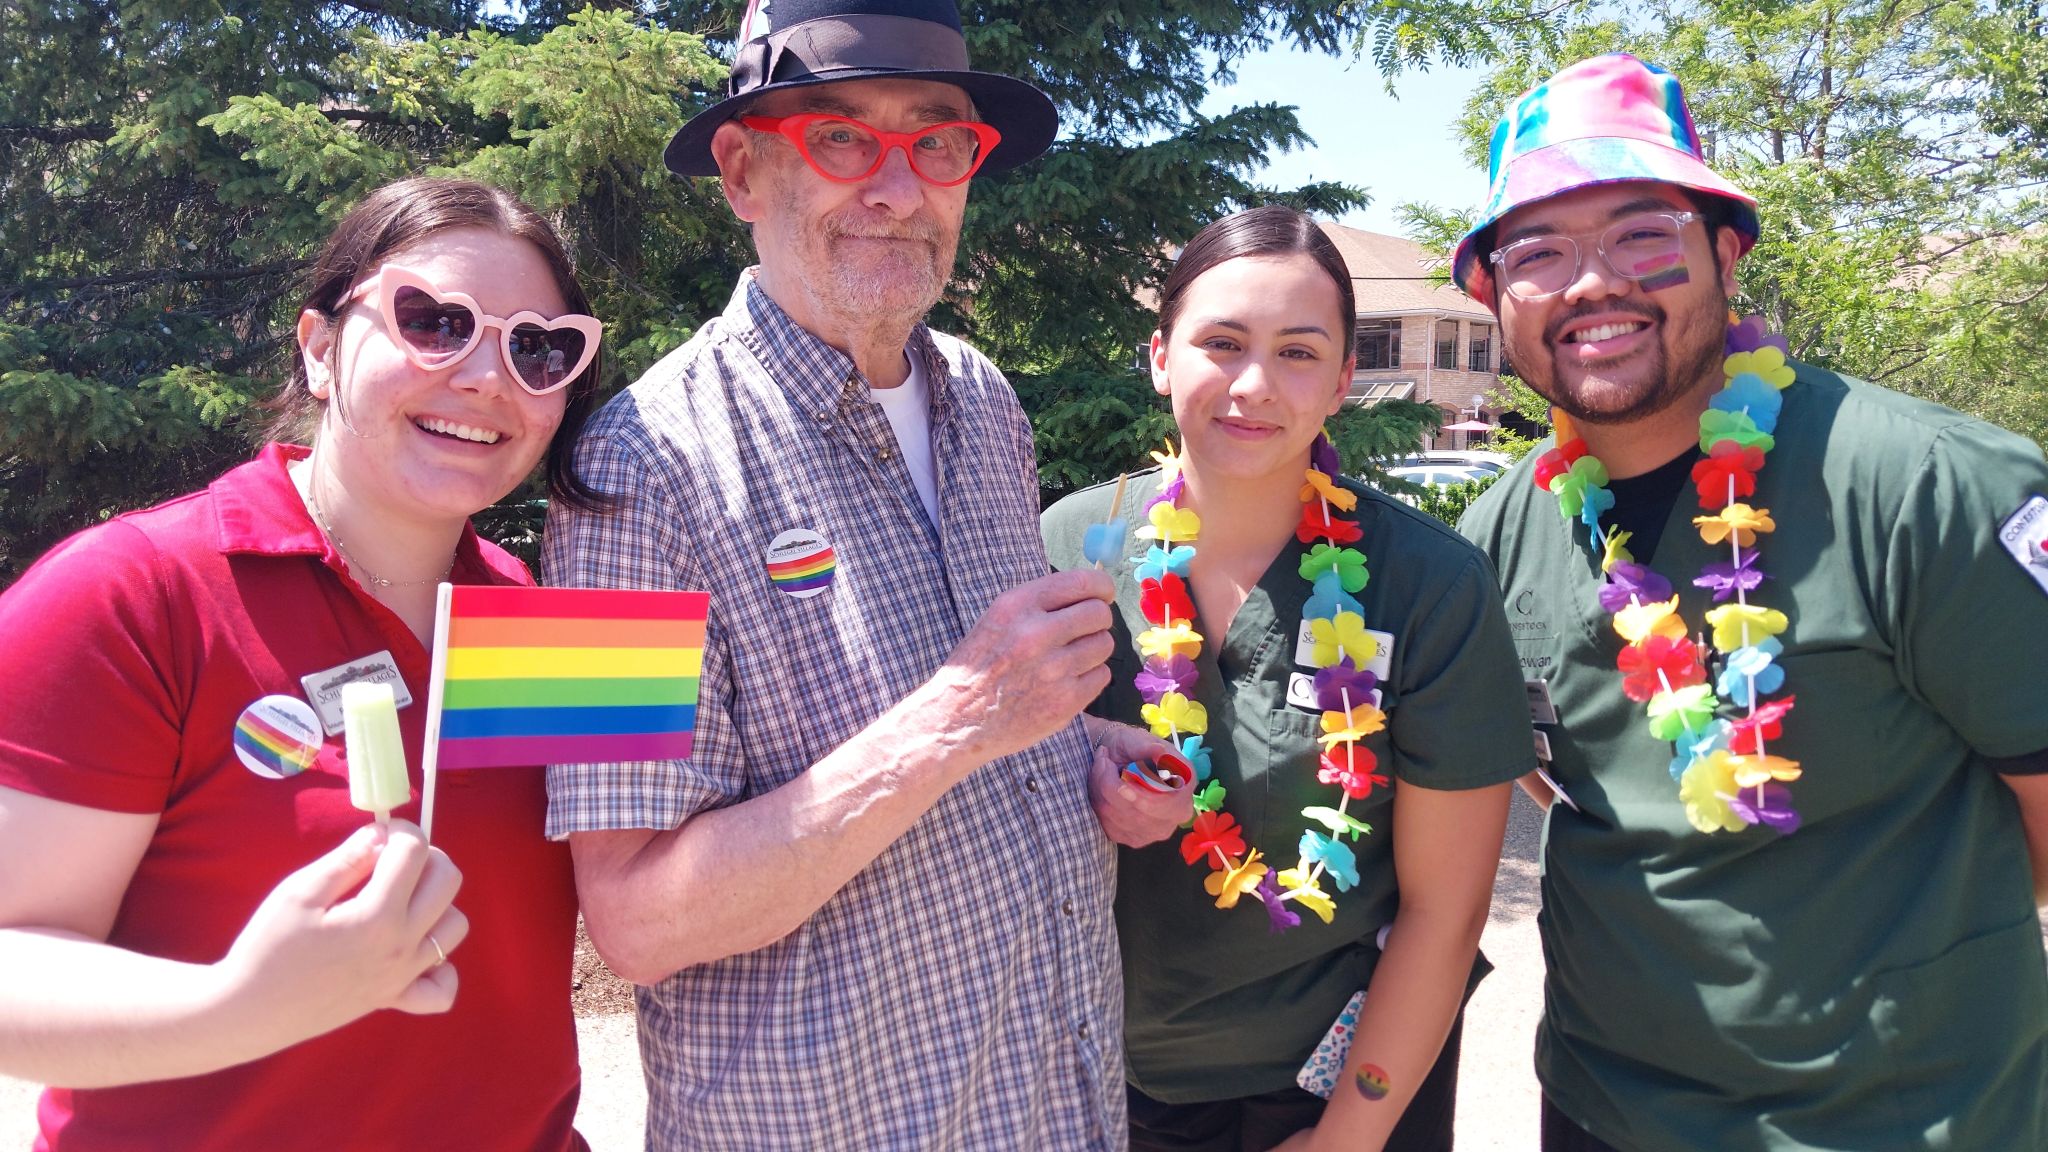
(963, 991)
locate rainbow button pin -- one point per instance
(277, 736)
(801, 563)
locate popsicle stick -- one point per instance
(430, 746)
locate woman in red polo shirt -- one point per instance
(206, 945)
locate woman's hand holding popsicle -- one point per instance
(317, 957)
(334, 941)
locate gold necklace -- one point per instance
(355, 568)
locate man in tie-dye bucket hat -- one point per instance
(1784, 639)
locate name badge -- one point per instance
(1541, 710)
(1552, 781)
(1301, 693)
(2025, 536)
(323, 689)
(1301, 686)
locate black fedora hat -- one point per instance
(797, 43)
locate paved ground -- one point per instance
(1497, 1102)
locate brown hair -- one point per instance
(401, 214)
(1270, 230)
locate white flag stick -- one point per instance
(430, 748)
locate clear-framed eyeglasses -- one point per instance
(1637, 248)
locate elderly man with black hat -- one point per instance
(1785, 645)
(872, 909)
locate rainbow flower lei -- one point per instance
(1343, 690)
(1726, 778)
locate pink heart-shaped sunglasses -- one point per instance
(436, 329)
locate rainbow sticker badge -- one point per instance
(277, 737)
(800, 563)
(1663, 272)
(1372, 1082)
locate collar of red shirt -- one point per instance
(261, 513)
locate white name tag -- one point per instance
(323, 689)
(1541, 710)
(1301, 692)
(1381, 665)
(1301, 686)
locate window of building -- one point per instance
(1379, 345)
(1481, 359)
(1447, 344)
(1368, 392)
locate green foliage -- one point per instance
(168, 167)
(1437, 229)
(1366, 436)
(1899, 154)
(1514, 396)
(1449, 504)
(1091, 425)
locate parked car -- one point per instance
(1487, 461)
(1438, 475)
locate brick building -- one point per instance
(1418, 339)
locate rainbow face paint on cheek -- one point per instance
(1372, 1082)
(1662, 272)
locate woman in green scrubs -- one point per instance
(1336, 670)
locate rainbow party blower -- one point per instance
(528, 676)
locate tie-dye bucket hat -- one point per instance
(1603, 120)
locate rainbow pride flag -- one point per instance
(568, 675)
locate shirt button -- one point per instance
(1082, 1030)
(822, 415)
(886, 453)
(1031, 783)
(1067, 907)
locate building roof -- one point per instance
(1390, 275)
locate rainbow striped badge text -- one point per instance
(569, 675)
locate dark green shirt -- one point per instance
(1875, 980)
(1216, 1006)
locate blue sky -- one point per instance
(1399, 148)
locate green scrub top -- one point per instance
(1217, 1006)
(1875, 980)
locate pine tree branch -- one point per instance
(57, 133)
(152, 276)
(418, 14)
(359, 116)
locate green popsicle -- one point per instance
(376, 756)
